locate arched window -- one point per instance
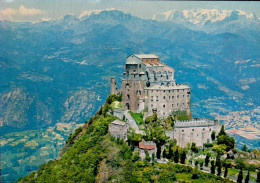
(127, 86)
(127, 106)
(128, 96)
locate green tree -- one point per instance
(219, 169)
(176, 156)
(226, 171)
(194, 148)
(195, 173)
(240, 176)
(229, 142)
(183, 157)
(212, 168)
(222, 131)
(244, 148)
(207, 160)
(247, 177)
(170, 154)
(213, 135)
(258, 176)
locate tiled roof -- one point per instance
(142, 145)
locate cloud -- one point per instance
(9, 13)
(9, 1)
(94, 12)
(27, 11)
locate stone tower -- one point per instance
(133, 84)
(113, 88)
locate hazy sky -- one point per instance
(35, 10)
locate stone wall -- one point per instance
(198, 131)
(164, 101)
(118, 130)
(150, 152)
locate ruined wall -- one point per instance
(150, 152)
(118, 131)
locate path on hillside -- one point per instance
(132, 122)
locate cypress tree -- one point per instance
(176, 156)
(170, 154)
(222, 131)
(226, 171)
(247, 177)
(212, 168)
(240, 176)
(183, 157)
(207, 160)
(244, 148)
(258, 176)
(219, 169)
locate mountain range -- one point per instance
(59, 70)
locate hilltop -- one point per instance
(91, 154)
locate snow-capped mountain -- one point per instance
(201, 17)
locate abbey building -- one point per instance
(149, 86)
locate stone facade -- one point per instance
(196, 130)
(118, 129)
(149, 86)
(150, 146)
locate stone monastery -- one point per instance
(149, 87)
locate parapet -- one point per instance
(195, 123)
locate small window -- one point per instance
(193, 130)
(151, 105)
(210, 129)
(183, 96)
(163, 97)
(163, 91)
(156, 98)
(203, 128)
(163, 105)
(172, 97)
(134, 70)
(169, 91)
(177, 96)
(182, 130)
(172, 105)
(169, 97)
(177, 104)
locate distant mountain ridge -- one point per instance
(201, 17)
